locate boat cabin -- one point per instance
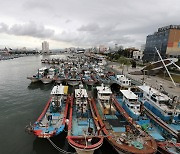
(43, 71)
(160, 101)
(81, 101)
(103, 93)
(124, 81)
(131, 100)
(59, 94)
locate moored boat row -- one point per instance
(133, 119)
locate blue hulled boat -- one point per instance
(161, 105)
(51, 122)
(149, 122)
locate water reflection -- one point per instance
(44, 146)
(40, 85)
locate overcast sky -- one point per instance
(83, 23)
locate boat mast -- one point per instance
(165, 67)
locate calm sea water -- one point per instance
(21, 103)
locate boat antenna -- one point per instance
(165, 67)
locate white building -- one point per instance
(137, 55)
(45, 47)
(102, 48)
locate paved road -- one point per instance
(154, 81)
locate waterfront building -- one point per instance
(137, 55)
(166, 40)
(102, 48)
(45, 47)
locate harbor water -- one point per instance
(21, 103)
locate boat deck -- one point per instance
(80, 125)
(48, 126)
(113, 122)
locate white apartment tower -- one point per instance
(45, 47)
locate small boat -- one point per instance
(81, 128)
(121, 131)
(87, 79)
(61, 77)
(42, 60)
(73, 79)
(51, 122)
(40, 74)
(49, 77)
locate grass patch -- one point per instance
(176, 78)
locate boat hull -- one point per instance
(33, 80)
(46, 80)
(73, 82)
(158, 113)
(78, 143)
(79, 151)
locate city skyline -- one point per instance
(83, 23)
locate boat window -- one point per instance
(154, 99)
(170, 113)
(137, 107)
(123, 81)
(131, 107)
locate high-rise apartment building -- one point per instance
(45, 47)
(166, 40)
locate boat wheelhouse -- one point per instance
(130, 103)
(123, 81)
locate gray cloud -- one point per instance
(27, 29)
(3, 27)
(88, 23)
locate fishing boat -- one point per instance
(87, 79)
(40, 74)
(148, 122)
(51, 122)
(49, 77)
(161, 105)
(42, 60)
(73, 79)
(121, 131)
(81, 128)
(61, 77)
